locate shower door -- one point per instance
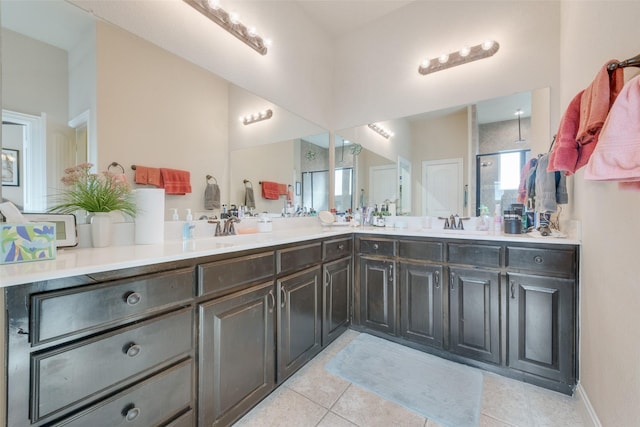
(498, 178)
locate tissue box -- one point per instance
(24, 242)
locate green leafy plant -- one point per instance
(94, 192)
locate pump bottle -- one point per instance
(188, 226)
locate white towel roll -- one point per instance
(149, 221)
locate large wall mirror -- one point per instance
(78, 89)
(429, 166)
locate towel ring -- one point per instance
(115, 165)
(210, 177)
(246, 181)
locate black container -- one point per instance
(512, 222)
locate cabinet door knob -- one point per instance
(341, 246)
(283, 295)
(130, 412)
(273, 300)
(133, 298)
(452, 281)
(436, 279)
(538, 259)
(513, 289)
(132, 350)
(375, 246)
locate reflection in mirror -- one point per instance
(439, 180)
(48, 78)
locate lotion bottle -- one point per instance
(187, 227)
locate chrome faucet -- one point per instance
(218, 231)
(454, 222)
(229, 229)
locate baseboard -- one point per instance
(586, 410)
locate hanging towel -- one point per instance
(282, 189)
(249, 198)
(617, 155)
(176, 181)
(597, 100)
(212, 196)
(550, 187)
(271, 190)
(148, 176)
(566, 150)
(289, 193)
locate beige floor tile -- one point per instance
(315, 383)
(487, 421)
(284, 408)
(341, 342)
(431, 423)
(333, 420)
(551, 409)
(504, 399)
(367, 409)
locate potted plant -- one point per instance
(97, 194)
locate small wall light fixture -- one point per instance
(230, 22)
(464, 55)
(519, 140)
(380, 130)
(256, 117)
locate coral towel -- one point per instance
(617, 155)
(270, 190)
(176, 181)
(566, 150)
(148, 176)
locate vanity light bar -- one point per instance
(464, 55)
(230, 22)
(380, 130)
(256, 117)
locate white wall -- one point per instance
(609, 291)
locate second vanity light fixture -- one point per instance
(464, 55)
(256, 117)
(385, 133)
(230, 22)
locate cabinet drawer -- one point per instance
(65, 376)
(296, 258)
(223, 276)
(378, 247)
(542, 261)
(150, 403)
(184, 420)
(335, 249)
(428, 251)
(80, 310)
(474, 254)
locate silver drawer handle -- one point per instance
(133, 350)
(538, 259)
(133, 298)
(341, 246)
(130, 412)
(375, 246)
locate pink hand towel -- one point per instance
(176, 181)
(596, 102)
(270, 190)
(566, 150)
(617, 155)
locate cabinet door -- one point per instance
(378, 295)
(336, 299)
(300, 320)
(474, 298)
(421, 303)
(541, 326)
(237, 353)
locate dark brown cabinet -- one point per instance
(237, 353)
(474, 317)
(299, 299)
(378, 295)
(421, 303)
(336, 299)
(541, 303)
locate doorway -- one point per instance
(442, 182)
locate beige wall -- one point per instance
(155, 109)
(609, 287)
(444, 137)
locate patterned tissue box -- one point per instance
(34, 241)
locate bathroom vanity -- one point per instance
(196, 335)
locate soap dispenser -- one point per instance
(175, 216)
(188, 226)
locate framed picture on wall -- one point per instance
(10, 168)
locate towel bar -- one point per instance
(115, 165)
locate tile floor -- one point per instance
(314, 397)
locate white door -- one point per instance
(442, 187)
(383, 184)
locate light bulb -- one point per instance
(426, 63)
(267, 42)
(464, 52)
(487, 45)
(234, 17)
(518, 112)
(252, 31)
(242, 118)
(214, 4)
(391, 134)
(443, 58)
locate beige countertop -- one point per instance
(77, 261)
